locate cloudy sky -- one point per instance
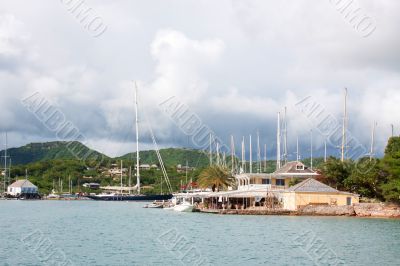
(234, 64)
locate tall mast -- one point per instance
(130, 179)
(187, 164)
(371, 154)
(258, 152)
(285, 152)
(391, 125)
(69, 184)
(211, 160)
(343, 148)
(265, 157)
(297, 150)
(278, 143)
(311, 150)
(217, 151)
(5, 165)
(137, 141)
(251, 156)
(243, 156)
(325, 152)
(233, 153)
(121, 176)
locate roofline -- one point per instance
(297, 174)
(330, 192)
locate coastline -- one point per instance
(361, 210)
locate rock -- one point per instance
(377, 210)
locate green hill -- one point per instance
(34, 152)
(171, 157)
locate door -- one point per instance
(348, 200)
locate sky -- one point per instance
(232, 64)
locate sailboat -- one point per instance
(138, 196)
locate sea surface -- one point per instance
(124, 233)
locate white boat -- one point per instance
(184, 207)
(53, 196)
(154, 206)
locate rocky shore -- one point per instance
(377, 210)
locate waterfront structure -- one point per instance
(22, 187)
(274, 191)
(313, 192)
(280, 179)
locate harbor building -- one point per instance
(313, 192)
(22, 187)
(275, 191)
(278, 180)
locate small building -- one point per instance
(145, 167)
(183, 168)
(280, 179)
(313, 192)
(22, 187)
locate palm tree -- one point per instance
(216, 177)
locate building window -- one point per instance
(280, 182)
(299, 167)
(266, 181)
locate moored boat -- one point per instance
(184, 207)
(138, 196)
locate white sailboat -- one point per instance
(138, 196)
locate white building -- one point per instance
(277, 180)
(23, 186)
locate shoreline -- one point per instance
(361, 210)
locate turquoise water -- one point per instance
(123, 233)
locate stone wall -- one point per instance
(327, 210)
(361, 210)
(377, 210)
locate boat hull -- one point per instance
(131, 197)
(184, 208)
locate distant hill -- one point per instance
(34, 152)
(171, 157)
